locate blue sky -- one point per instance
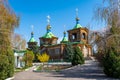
(62, 12)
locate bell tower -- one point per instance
(78, 33)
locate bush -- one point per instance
(6, 64)
(111, 64)
(78, 57)
(3, 69)
(68, 53)
(11, 63)
(43, 57)
(28, 58)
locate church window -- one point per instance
(83, 36)
(74, 36)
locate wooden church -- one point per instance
(77, 36)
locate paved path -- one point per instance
(89, 71)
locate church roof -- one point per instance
(64, 38)
(77, 24)
(48, 34)
(32, 38)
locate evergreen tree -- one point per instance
(36, 52)
(77, 57)
(68, 53)
(111, 64)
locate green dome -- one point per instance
(64, 38)
(48, 35)
(77, 26)
(32, 38)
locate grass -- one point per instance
(20, 69)
(56, 68)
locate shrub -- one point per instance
(6, 64)
(11, 63)
(3, 69)
(111, 64)
(28, 58)
(68, 53)
(43, 57)
(78, 57)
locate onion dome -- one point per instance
(64, 40)
(77, 21)
(32, 38)
(48, 34)
(77, 24)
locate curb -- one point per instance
(29, 68)
(10, 78)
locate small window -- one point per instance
(83, 36)
(74, 36)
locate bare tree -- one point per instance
(18, 42)
(110, 38)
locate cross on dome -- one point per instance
(76, 12)
(48, 19)
(32, 26)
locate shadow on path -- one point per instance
(90, 70)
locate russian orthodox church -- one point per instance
(77, 36)
(32, 42)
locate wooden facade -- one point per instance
(78, 36)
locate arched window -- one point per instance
(74, 36)
(83, 36)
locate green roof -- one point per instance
(81, 42)
(77, 26)
(48, 35)
(32, 39)
(64, 40)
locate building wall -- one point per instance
(54, 52)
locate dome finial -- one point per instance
(64, 33)
(76, 12)
(32, 33)
(77, 19)
(48, 26)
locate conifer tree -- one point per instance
(68, 54)
(78, 57)
(111, 64)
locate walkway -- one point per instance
(89, 71)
